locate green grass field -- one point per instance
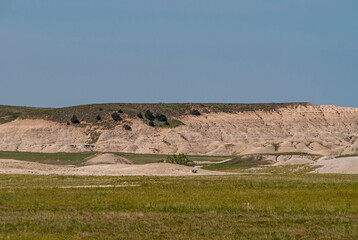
(237, 164)
(48, 158)
(278, 203)
(212, 207)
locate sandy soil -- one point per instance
(10, 166)
(347, 165)
(107, 158)
(211, 162)
(293, 160)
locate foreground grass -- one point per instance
(225, 207)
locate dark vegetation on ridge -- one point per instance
(89, 113)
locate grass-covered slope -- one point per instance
(10, 113)
(89, 113)
(48, 158)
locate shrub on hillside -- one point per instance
(120, 111)
(74, 119)
(195, 112)
(149, 115)
(161, 117)
(98, 117)
(127, 127)
(151, 123)
(180, 159)
(116, 117)
(139, 115)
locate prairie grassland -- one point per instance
(203, 207)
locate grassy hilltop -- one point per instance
(89, 113)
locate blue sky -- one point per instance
(71, 52)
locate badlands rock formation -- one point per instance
(325, 130)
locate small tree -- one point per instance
(166, 123)
(195, 112)
(120, 111)
(116, 117)
(127, 127)
(74, 119)
(151, 123)
(149, 115)
(139, 115)
(98, 117)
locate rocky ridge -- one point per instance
(325, 130)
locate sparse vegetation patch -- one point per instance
(347, 155)
(276, 146)
(180, 159)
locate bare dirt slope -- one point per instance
(325, 130)
(9, 166)
(107, 158)
(348, 165)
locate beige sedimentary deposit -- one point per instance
(325, 130)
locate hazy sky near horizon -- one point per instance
(71, 52)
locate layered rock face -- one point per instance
(325, 130)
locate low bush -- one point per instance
(98, 117)
(149, 115)
(195, 112)
(74, 119)
(139, 115)
(127, 127)
(151, 123)
(161, 117)
(180, 159)
(116, 117)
